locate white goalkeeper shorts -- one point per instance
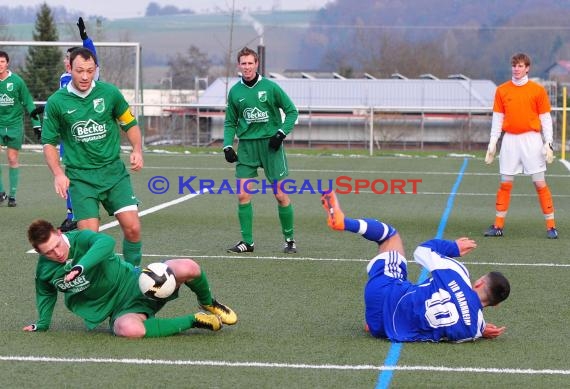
(522, 153)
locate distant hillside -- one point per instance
(377, 36)
(476, 38)
(164, 36)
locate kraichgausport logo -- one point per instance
(341, 184)
(86, 131)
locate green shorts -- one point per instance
(109, 185)
(254, 154)
(12, 137)
(133, 301)
(141, 304)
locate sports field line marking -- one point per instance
(297, 258)
(156, 208)
(271, 365)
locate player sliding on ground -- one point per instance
(446, 307)
(99, 285)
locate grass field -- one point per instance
(301, 316)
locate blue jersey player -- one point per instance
(446, 307)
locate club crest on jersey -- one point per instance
(10, 86)
(99, 105)
(262, 96)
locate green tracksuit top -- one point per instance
(15, 99)
(105, 280)
(253, 112)
(87, 124)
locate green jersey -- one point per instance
(104, 284)
(15, 99)
(254, 112)
(87, 124)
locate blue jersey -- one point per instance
(445, 307)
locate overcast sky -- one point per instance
(134, 8)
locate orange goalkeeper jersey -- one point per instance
(521, 106)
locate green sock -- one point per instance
(245, 216)
(132, 252)
(286, 219)
(1, 181)
(14, 173)
(201, 287)
(156, 328)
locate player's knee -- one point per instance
(243, 197)
(132, 232)
(185, 269)
(126, 329)
(282, 198)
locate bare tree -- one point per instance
(184, 68)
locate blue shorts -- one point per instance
(387, 280)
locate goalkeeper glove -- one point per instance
(35, 114)
(548, 152)
(491, 150)
(276, 140)
(230, 154)
(81, 27)
(38, 132)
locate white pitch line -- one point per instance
(135, 361)
(297, 258)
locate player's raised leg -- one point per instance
(370, 229)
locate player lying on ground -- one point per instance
(446, 307)
(98, 284)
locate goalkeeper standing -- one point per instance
(15, 99)
(521, 109)
(253, 115)
(87, 117)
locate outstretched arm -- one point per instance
(438, 254)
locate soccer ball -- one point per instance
(157, 281)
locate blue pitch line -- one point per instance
(385, 376)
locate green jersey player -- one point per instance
(254, 116)
(83, 116)
(15, 99)
(98, 285)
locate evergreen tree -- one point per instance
(44, 64)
